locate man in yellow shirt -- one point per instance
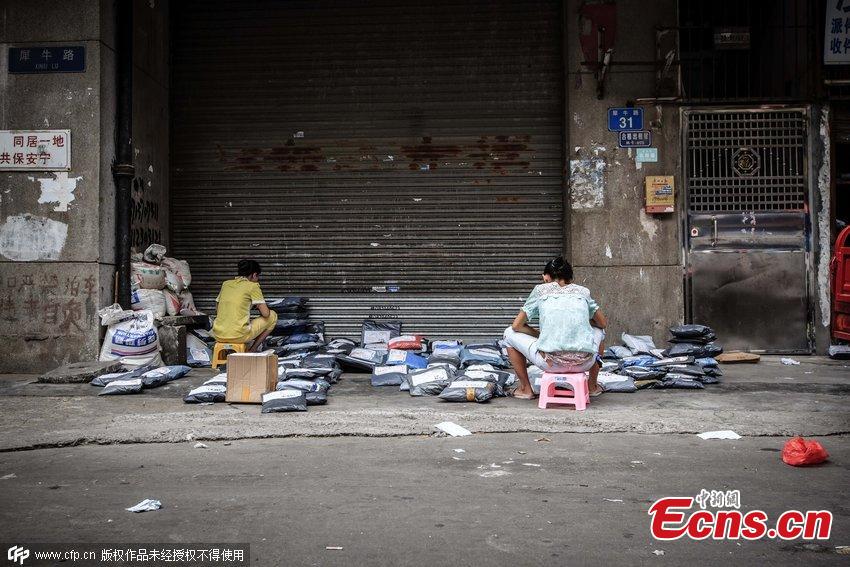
(233, 323)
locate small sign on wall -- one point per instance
(35, 150)
(48, 59)
(660, 194)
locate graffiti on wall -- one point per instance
(144, 216)
(37, 304)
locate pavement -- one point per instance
(508, 499)
(765, 399)
(369, 474)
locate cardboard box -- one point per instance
(250, 375)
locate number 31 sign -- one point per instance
(625, 119)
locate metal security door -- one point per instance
(746, 186)
(386, 158)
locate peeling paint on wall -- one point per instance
(648, 224)
(27, 238)
(608, 253)
(587, 183)
(59, 190)
(824, 232)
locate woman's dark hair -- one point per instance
(559, 269)
(247, 267)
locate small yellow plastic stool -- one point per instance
(224, 348)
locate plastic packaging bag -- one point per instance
(428, 382)
(389, 375)
(638, 344)
(105, 379)
(379, 333)
(468, 391)
(407, 358)
(406, 342)
(798, 452)
(284, 400)
(691, 331)
(643, 373)
(640, 360)
(340, 346)
(206, 394)
(159, 376)
(615, 383)
(679, 381)
(617, 352)
(121, 387)
(197, 353)
(481, 353)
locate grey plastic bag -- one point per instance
(638, 344)
(468, 391)
(159, 376)
(681, 381)
(428, 382)
(206, 394)
(616, 383)
(392, 375)
(284, 400)
(105, 379)
(121, 387)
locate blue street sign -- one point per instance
(641, 139)
(625, 119)
(44, 59)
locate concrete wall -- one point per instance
(631, 261)
(57, 262)
(150, 123)
(49, 303)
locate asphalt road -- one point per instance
(508, 499)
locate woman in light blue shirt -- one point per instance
(570, 334)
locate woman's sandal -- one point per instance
(512, 394)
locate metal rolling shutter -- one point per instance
(386, 159)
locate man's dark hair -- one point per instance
(559, 269)
(247, 267)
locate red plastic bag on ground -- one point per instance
(406, 342)
(799, 452)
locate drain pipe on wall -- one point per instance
(122, 168)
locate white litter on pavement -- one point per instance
(333, 547)
(146, 505)
(453, 429)
(612, 500)
(658, 552)
(460, 451)
(8, 476)
(530, 465)
(725, 434)
(789, 362)
(491, 474)
(200, 446)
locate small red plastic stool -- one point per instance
(578, 396)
